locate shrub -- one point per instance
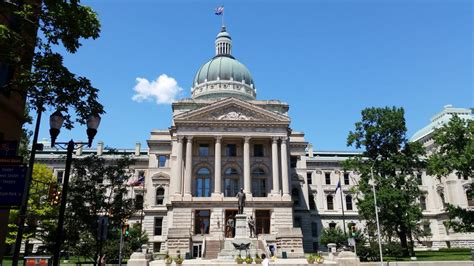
(333, 235)
(393, 249)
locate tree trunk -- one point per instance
(402, 234)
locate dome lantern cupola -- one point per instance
(223, 76)
(223, 43)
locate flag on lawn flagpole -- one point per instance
(338, 185)
(219, 10)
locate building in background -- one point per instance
(223, 139)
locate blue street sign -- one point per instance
(12, 183)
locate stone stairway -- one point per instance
(213, 247)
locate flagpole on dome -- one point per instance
(219, 11)
(223, 14)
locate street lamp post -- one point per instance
(56, 120)
(376, 210)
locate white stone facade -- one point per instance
(217, 145)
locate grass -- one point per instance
(442, 255)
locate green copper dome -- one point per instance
(223, 68)
(223, 76)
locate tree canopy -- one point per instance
(454, 149)
(395, 162)
(29, 39)
(454, 153)
(41, 215)
(99, 188)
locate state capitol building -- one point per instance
(222, 139)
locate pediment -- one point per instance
(232, 110)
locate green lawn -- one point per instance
(444, 255)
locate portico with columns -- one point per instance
(223, 139)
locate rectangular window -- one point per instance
(423, 203)
(346, 178)
(231, 150)
(327, 175)
(258, 150)
(157, 247)
(202, 221)
(162, 161)
(419, 180)
(309, 178)
(139, 202)
(203, 150)
(158, 226)
(59, 176)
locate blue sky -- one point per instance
(327, 59)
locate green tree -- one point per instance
(333, 235)
(382, 133)
(454, 153)
(41, 215)
(30, 34)
(98, 187)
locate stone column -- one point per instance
(275, 168)
(189, 165)
(179, 166)
(247, 183)
(284, 167)
(217, 166)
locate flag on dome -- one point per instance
(219, 10)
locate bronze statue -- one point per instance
(241, 200)
(252, 227)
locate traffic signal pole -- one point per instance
(121, 244)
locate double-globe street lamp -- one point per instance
(56, 121)
(376, 208)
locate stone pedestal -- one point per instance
(347, 258)
(241, 227)
(137, 259)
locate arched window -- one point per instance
(160, 195)
(203, 183)
(231, 182)
(349, 202)
(259, 182)
(329, 199)
(295, 196)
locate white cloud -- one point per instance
(164, 90)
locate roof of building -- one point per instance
(442, 118)
(223, 67)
